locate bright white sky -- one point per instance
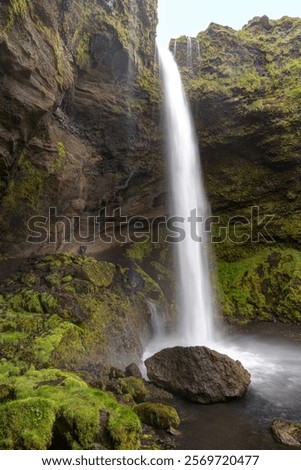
(189, 17)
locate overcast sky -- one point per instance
(189, 17)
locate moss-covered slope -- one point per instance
(75, 313)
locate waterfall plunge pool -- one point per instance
(272, 354)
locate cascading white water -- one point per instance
(187, 198)
(189, 52)
(175, 49)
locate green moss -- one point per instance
(125, 428)
(80, 407)
(30, 279)
(6, 392)
(98, 273)
(82, 50)
(61, 149)
(27, 187)
(22, 196)
(27, 424)
(17, 9)
(151, 287)
(163, 272)
(134, 387)
(262, 287)
(139, 251)
(45, 345)
(158, 415)
(32, 301)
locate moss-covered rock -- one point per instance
(75, 313)
(134, 387)
(26, 424)
(159, 415)
(54, 405)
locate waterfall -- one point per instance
(157, 320)
(187, 198)
(189, 52)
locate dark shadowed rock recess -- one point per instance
(245, 92)
(198, 373)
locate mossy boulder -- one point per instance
(134, 387)
(56, 406)
(159, 415)
(26, 424)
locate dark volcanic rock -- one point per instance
(287, 432)
(133, 371)
(78, 114)
(198, 373)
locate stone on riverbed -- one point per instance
(287, 432)
(198, 373)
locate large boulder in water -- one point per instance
(198, 373)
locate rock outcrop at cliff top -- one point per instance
(79, 119)
(198, 373)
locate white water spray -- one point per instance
(187, 198)
(189, 52)
(175, 49)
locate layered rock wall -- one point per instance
(79, 115)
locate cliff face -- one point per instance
(78, 121)
(78, 132)
(245, 92)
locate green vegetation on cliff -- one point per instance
(265, 286)
(70, 312)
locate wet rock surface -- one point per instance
(198, 373)
(287, 432)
